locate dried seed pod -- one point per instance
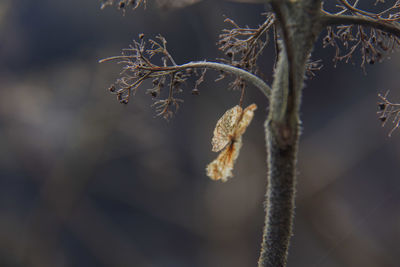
(153, 93)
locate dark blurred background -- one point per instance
(86, 181)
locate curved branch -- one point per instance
(356, 10)
(331, 20)
(247, 76)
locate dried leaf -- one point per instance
(221, 168)
(225, 128)
(228, 134)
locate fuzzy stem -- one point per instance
(245, 75)
(282, 158)
(279, 200)
(299, 23)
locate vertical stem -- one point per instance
(282, 136)
(279, 202)
(298, 24)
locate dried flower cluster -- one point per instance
(388, 111)
(150, 59)
(243, 46)
(228, 138)
(123, 4)
(372, 42)
(138, 61)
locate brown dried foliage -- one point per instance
(372, 43)
(244, 46)
(388, 111)
(228, 138)
(139, 65)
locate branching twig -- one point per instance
(350, 35)
(140, 65)
(388, 111)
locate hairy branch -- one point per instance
(245, 75)
(298, 23)
(389, 27)
(142, 62)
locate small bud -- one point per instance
(381, 106)
(153, 93)
(382, 118)
(111, 88)
(326, 39)
(195, 91)
(121, 4)
(141, 36)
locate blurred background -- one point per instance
(86, 181)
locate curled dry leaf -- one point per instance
(225, 128)
(228, 138)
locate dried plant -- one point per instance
(151, 60)
(243, 46)
(368, 38)
(228, 138)
(293, 26)
(138, 68)
(388, 111)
